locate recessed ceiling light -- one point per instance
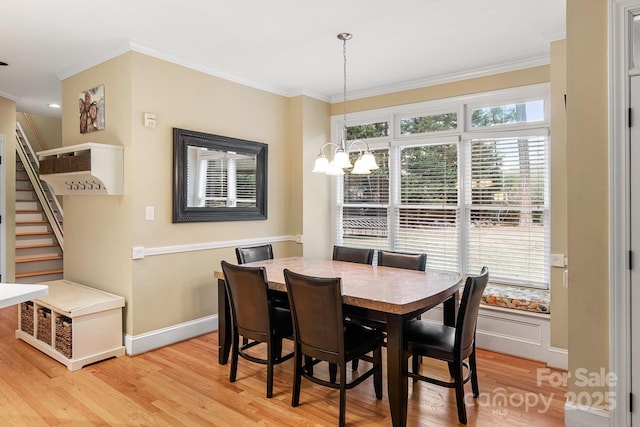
(3, 64)
(54, 105)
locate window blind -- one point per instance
(507, 208)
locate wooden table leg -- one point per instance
(224, 324)
(397, 370)
(450, 309)
(450, 313)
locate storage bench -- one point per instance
(74, 324)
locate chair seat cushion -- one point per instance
(431, 339)
(281, 322)
(359, 338)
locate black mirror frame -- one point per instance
(183, 138)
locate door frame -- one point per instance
(3, 210)
(619, 205)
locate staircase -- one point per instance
(39, 245)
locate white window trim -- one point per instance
(462, 105)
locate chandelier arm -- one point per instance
(358, 141)
(326, 145)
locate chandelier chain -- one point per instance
(344, 55)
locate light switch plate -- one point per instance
(149, 213)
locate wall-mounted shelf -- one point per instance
(83, 169)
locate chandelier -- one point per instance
(339, 153)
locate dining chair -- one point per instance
(261, 253)
(357, 255)
(254, 253)
(409, 261)
(451, 344)
(255, 318)
(332, 339)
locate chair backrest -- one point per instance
(254, 253)
(468, 312)
(247, 291)
(358, 255)
(318, 319)
(402, 260)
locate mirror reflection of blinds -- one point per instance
(230, 182)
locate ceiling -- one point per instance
(287, 47)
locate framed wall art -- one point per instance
(91, 103)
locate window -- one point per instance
(468, 191)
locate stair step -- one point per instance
(39, 273)
(37, 245)
(39, 258)
(34, 233)
(31, 222)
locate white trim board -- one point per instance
(514, 332)
(137, 344)
(139, 252)
(582, 416)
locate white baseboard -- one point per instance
(514, 332)
(558, 358)
(582, 416)
(161, 337)
(507, 331)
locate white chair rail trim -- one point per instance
(139, 252)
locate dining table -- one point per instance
(389, 295)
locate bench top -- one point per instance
(75, 300)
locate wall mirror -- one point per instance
(217, 178)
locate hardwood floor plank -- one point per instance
(183, 385)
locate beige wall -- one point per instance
(166, 290)
(43, 133)
(587, 187)
(447, 90)
(316, 204)
(97, 229)
(8, 130)
(100, 231)
(558, 193)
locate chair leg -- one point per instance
(271, 352)
(343, 394)
(234, 358)
(459, 386)
(474, 373)
(377, 374)
(297, 377)
(308, 363)
(354, 364)
(278, 349)
(415, 364)
(333, 369)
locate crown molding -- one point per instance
(92, 61)
(130, 45)
(504, 67)
(9, 96)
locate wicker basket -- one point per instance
(44, 325)
(26, 317)
(64, 337)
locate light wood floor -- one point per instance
(183, 385)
